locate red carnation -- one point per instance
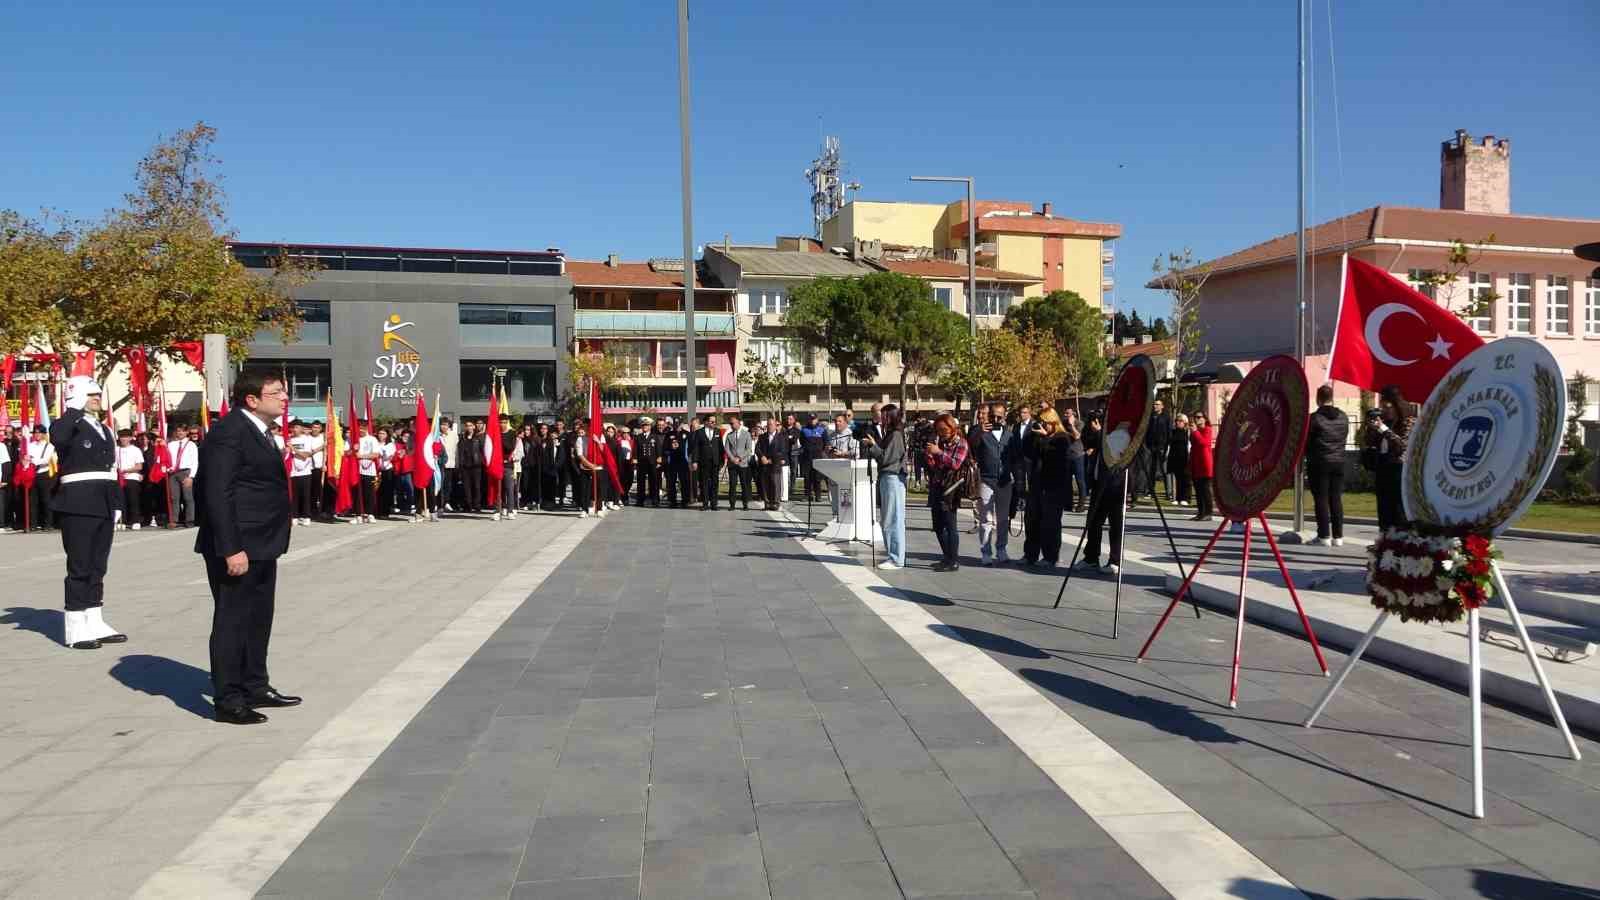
(1477, 567)
(1476, 545)
(1471, 594)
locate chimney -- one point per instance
(1045, 210)
(612, 260)
(1475, 176)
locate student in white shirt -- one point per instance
(130, 468)
(385, 473)
(319, 455)
(369, 450)
(185, 447)
(302, 451)
(41, 453)
(6, 475)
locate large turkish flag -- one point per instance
(1389, 333)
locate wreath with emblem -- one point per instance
(1548, 390)
(1266, 489)
(1423, 576)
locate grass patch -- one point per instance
(1574, 517)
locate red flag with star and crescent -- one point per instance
(1388, 333)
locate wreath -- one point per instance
(1430, 577)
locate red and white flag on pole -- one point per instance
(425, 461)
(599, 449)
(1388, 333)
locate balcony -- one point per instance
(1107, 283)
(1108, 256)
(598, 323)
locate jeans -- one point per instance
(946, 530)
(1327, 494)
(994, 518)
(1202, 497)
(892, 514)
(1079, 480)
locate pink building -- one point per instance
(1541, 289)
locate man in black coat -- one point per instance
(470, 462)
(242, 495)
(772, 449)
(1156, 440)
(675, 454)
(705, 460)
(86, 502)
(1325, 442)
(647, 462)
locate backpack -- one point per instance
(967, 481)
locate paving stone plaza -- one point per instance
(677, 704)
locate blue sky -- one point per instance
(526, 125)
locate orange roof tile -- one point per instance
(639, 275)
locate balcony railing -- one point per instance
(597, 323)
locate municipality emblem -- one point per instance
(1470, 445)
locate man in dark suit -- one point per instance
(772, 449)
(705, 460)
(86, 502)
(242, 495)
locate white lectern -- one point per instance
(854, 521)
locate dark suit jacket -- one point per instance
(706, 451)
(774, 447)
(241, 493)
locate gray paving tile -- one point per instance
(1550, 848)
(860, 880)
(1404, 836)
(1036, 821)
(992, 770)
(525, 733)
(564, 848)
(719, 867)
(692, 808)
(1311, 782)
(798, 780)
(594, 792)
(796, 836)
(1336, 866)
(941, 859)
(1506, 880)
(1102, 873)
(1246, 809)
(476, 874)
(926, 797)
(786, 739)
(617, 888)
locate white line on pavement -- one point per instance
(238, 852)
(1182, 851)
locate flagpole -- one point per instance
(1300, 249)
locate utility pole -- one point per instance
(688, 210)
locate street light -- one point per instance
(688, 209)
(972, 249)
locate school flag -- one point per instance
(494, 465)
(24, 470)
(83, 363)
(425, 463)
(350, 468)
(599, 448)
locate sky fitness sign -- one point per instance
(395, 370)
(1486, 439)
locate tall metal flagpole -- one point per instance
(688, 209)
(1300, 250)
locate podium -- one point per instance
(854, 521)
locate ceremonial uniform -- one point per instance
(677, 465)
(86, 504)
(647, 449)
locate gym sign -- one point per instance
(395, 370)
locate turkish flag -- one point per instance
(83, 362)
(599, 449)
(1389, 333)
(193, 353)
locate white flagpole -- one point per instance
(1344, 273)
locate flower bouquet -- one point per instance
(1430, 578)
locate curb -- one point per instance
(1582, 711)
(1575, 537)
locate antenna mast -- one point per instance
(827, 188)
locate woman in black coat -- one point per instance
(1050, 489)
(1178, 457)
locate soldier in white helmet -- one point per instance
(87, 503)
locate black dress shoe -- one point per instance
(231, 714)
(271, 698)
(113, 639)
(85, 645)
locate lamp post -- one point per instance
(688, 210)
(972, 249)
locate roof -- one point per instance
(547, 253)
(759, 261)
(627, 275)
(1152, 349)
(1410, 223)
(952, 271)
(1038, 224)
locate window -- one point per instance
(315, 326)
(1557, 304)
(1420, 281)
(672, 361)
(768, 300)
(495, 325)
(1480, 293)
(636, 357)
(943, 295)
(306, 380)
(1519, 305)
(993, 301)
(782, 354)
(525, 382)
(1591, 306)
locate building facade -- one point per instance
(1522, 268)
(633, 311)
(1059, 253)
(409, 322)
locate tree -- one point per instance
(1078, 328)
(1462, 256)
(962, 372)
(911, 323)
(1136, 326)
(1158, 330)
(836, 316)
(159, 271)
(1183, 279)
(766, 383)
(1030, 367)
(35, 267)
(603, 366)
(1581, 458)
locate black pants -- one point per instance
(1180, 474)
(815, 490)
(775, 485)
(648, 478)
(582, 486)
(1107, 508)
(564, 478)
(1019, 491)
(527, 486)
(1391, 509)
(386, 493)
(39, 513)
(706, 477)
(1327, 495)
(304, 489)
(472, 489)
(739, 476)
(508, 490)
(316, 493)
(241, 626)
(548, 498)
(369, 495)
(447, 483)
(132, 503)
(1042, 529)
(1202, 497)
(677, 483)
(625, 478)
(946, 530)
(758, 474)
(87, 540)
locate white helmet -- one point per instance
(79, 389)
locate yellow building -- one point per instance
(1014, 237)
